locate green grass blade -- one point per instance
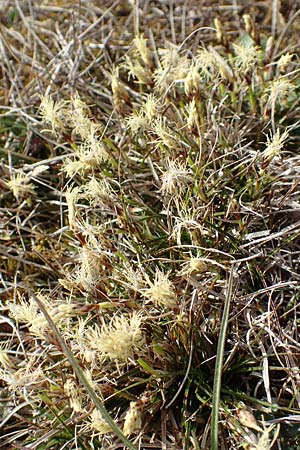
(219, 366)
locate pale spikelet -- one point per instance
(80, 344)
(133, 419)
(275, 144)
(137, 122)
(61, 311)
(28, 312)
(219, 30)
(169, 56)
(89, 155)
(175, 179)
(93, 236)
(195, 265)
(27, 378)
(160, 291)
(151, 107)
(118, 340)
(248, 23)
(88, 272)
(53, 113)
(192, 115)
(72, 196)
(165, 135)
(145, 53)
(284, 61)
(134, 68)
(192, 84)
(186, 221)
(269, 48)
(246, 55)
(78, 115)
(120, 94)
(75, 397)
(93, 148)
(133, 278)
(20, 185)
(97, 191)
(279, 90)
(173, 69)
(207, 63)
(5, 360)
(98, 423)
(24, 311)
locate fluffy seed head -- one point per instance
(160, 291)
(137, 71)
(246, 55)
(193, 81)
(52, 113)
(151, 107)
(20, 185)
(275, 145)
(284, 61)
(98, 423)
(175, 179)
(208, 63)
(279, 90)
(194, 266)
(118, 340)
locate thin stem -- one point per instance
(219, 367)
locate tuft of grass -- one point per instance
(149, 153)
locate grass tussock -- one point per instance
(149, 226)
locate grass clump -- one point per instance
(168, 193)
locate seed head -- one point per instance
(160, 291)
(279, 90)
(137, 122)
(98, 423)
(246, 55)
(208, 63)
(53, 113)
(72, 391)
(133, 419)
(137, 71)
(20, 185)
(118, 340)
(275, 145)
(151, 107)
(284, 61)
(175, 179)
(78, 116)
(195, 265)
(192, 84)
(145, 53)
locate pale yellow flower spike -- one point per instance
(52, 113)
(160, 291)
(119, 339)
(275, 145)
(145, 53)
(20, 185)
(133, 419)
